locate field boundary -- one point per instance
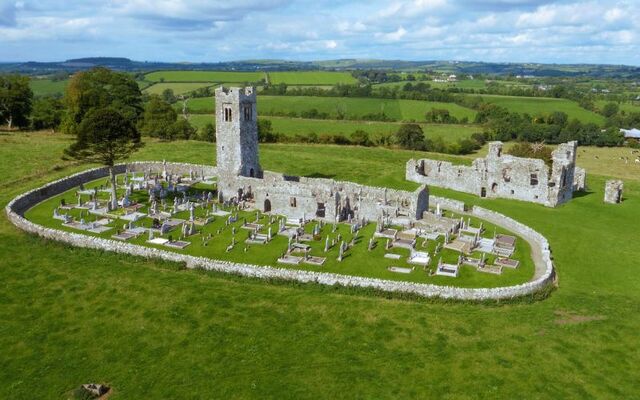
(15, 209)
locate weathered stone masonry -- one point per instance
(506, 176)
(241, 176)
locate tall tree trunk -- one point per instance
(10, 121)
(114, 192)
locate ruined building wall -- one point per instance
(325, 199)
(505, 176)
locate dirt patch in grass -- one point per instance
(564, 317)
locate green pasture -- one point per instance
(311, 78)
(627, 107)
(544, 105)
(153, 330)
(205, 76)
(48, 87)
(304, 127)
(351, 108)
(177, 87)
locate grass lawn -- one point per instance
(301, 126)
(544, 105)
(177, 87)
(205, 76)
(70, 316)
(47, 87)
(311, 78)
(352, 108)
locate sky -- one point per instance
(545, 31)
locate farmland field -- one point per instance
(544, 105)
(177, 87)
(47, 87)
(311, 78)
(626, 107)
(205, 76)
(153, 330)
(304, 127)
(351, 108)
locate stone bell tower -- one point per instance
(237, 132)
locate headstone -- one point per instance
(613, 191)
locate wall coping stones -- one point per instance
(16, 208)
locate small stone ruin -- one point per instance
(613, 191)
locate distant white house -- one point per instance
(452, 78)
(631, 133)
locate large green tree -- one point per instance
(101, 88)
(411, 136)
(105, 136)
(158, 118)
(15, 100)
(47, 113)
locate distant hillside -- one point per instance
(456, 67)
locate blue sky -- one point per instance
(212, 30)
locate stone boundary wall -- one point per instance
(447, 204)
(18, 206)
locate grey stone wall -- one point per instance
(300, 196)
(540, 249)
(506, 176)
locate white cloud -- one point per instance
(392, 36)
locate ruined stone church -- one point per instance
(241, 178)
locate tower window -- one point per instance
(227, 114)
(292, 202)
(248, 112)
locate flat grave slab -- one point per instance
(177, 244)
(99, 229)
(157, 241)
(400, 270)
(392, 256)
(313, 260)
(420, 258)
(491, 269)
(134, 216)
(289, 259)
(123, 236)
(507, 262)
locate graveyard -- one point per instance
(187, 218)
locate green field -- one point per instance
(351, 108)
(151, 330)
(177, 87)
(626, 107)
(311, 78)
(47, 87)
(205, 76)
(301, 126)
(543, 105)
